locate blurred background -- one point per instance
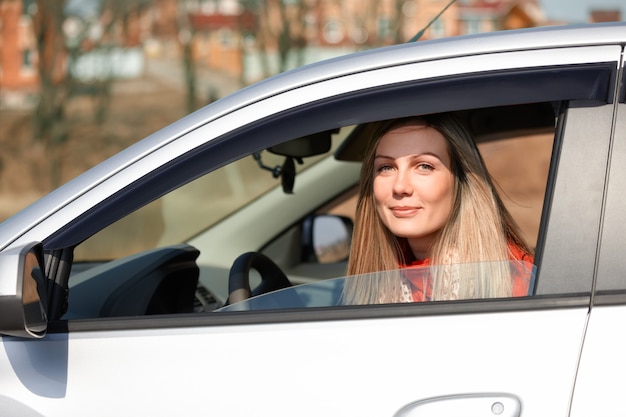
(82, 79)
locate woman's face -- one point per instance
(413, 184)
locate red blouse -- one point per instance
(521, 279)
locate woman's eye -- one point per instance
(384, 168)
(425, 167)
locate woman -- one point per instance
(426, 199)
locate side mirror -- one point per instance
(326, 238)
(23, 292)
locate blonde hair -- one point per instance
(478, 231)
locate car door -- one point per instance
(446, 357)
(600, 382)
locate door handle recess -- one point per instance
(464, 405)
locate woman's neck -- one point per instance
(420, 249)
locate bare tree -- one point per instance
(264, 37)
(47, 23)
(282, 30)
(186, 35)
(49, 121)
(60, 43)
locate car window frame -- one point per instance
(232, 145)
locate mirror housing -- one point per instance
(311, 145)
(326, 238)
(23, 311)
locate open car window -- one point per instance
(147, 264)
(189, 210)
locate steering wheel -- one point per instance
(272, 277)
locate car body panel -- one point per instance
(319, 368)
(600, 381)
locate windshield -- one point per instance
(329, 293)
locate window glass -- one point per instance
(417, 280)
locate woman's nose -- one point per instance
(402, 183)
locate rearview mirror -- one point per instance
(23, 292)
(311, 145)
(293, 151)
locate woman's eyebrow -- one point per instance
(433, 154)
(415, 155)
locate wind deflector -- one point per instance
(499, 97)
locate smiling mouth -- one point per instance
(404, 211)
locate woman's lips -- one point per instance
(404, 211)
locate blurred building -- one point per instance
(19, 79)
(491, 15)
(233, 36)
(597, 16)
(220, 29)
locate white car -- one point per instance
(118, 290)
